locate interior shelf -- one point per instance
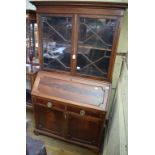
(85, 47)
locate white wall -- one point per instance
(116, 139)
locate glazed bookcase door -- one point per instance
(56, 31)
(95, 43)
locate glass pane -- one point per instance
(95, 46)
(56, 42)
(31, 42)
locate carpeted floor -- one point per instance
(55, 146)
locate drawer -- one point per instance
(82, 111)
(50, 103)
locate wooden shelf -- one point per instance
(95, 48)
(87, 47)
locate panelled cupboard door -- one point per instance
(49, 120)
(79, 129)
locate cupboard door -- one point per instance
(56, 41)
(49, 120)
(95, 42)
(84, 130)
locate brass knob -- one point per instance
(49, 104)
(82, 112)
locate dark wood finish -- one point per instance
(70, 89)
(94, 3)
(49, 119)
(79, 10)
(88, 133)
(37, 132)
(74, 43)
(76, 9)
(66, 105)
(63, 102)
(114, 48)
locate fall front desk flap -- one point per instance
(71, 90)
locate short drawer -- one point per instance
(50, 103)
(82, 111)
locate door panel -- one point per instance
(48, 119)
(83, 130)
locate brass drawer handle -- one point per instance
(82, 112)
(49, 104)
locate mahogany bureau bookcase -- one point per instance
(77, 47)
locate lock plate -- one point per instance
(49, 104)
(82, 112)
